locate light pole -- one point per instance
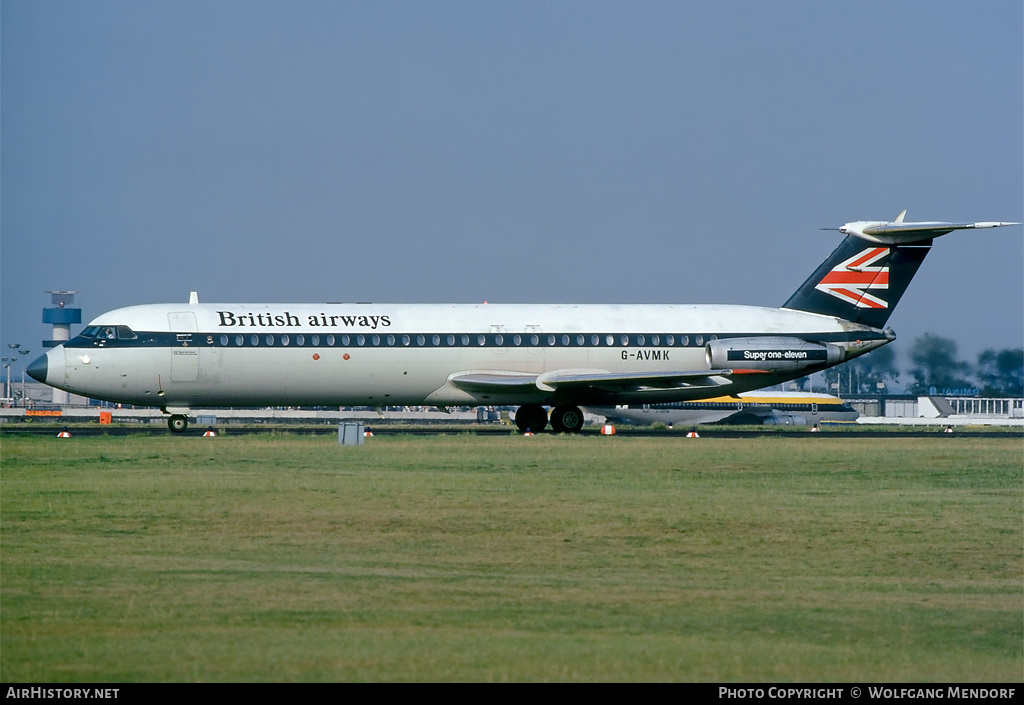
(24, 354)
(8, 362)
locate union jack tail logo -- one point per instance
(850, 279)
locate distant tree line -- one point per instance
(935, 366)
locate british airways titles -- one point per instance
(229, 319)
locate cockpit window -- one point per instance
(100, 333)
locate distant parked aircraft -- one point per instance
(756, 408)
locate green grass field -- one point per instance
(289, 558)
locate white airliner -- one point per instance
(183, 356)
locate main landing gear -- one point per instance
(177, 423)
(532, 418)
(566, 419)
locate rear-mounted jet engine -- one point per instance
(771, 354)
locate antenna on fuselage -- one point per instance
(193, 297)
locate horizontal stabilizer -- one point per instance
(898, 232)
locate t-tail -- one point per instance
(865, 277)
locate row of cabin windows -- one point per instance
(463, 340)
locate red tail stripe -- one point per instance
(859, 298)
(862, 278)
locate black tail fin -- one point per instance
(861, 281)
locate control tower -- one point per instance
(61, 316)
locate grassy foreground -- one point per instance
(289, 558)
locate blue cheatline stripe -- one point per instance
(442, 340)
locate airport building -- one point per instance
(910, 409)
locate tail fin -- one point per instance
(861, 281)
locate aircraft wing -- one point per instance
(594, 379)
(629, 381)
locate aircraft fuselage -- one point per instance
(407, 354)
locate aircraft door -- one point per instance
(184, 357)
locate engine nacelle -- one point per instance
(770, 354)
(783, 419)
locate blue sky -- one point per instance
(665, 152)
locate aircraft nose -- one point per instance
(37, 370)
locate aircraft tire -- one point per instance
(531, 418)
(566, 419)
(177, 423)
